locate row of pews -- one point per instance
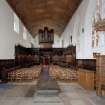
(60, 73)
(8, 66)
(24, 58)
(25, 74)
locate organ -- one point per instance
(46, 36)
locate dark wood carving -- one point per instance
(89, 64)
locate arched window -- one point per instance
(102, 9)
(16, 23)
(24, 34)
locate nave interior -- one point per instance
(52, 52)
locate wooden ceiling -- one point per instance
(36, 14)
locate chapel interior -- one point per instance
(52, 52)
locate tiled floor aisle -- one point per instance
(72, 94)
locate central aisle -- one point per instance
(46, 85)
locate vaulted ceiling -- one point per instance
(36, 14)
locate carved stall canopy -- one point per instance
(36, 14)
(100, 25)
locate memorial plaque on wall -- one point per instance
(46, 36)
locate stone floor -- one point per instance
(71, 94)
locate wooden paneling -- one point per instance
(6, 65)
(89, 64)
(46, 45)
(26, 57)
(67, 58)
(100, 75)
(86, 79)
